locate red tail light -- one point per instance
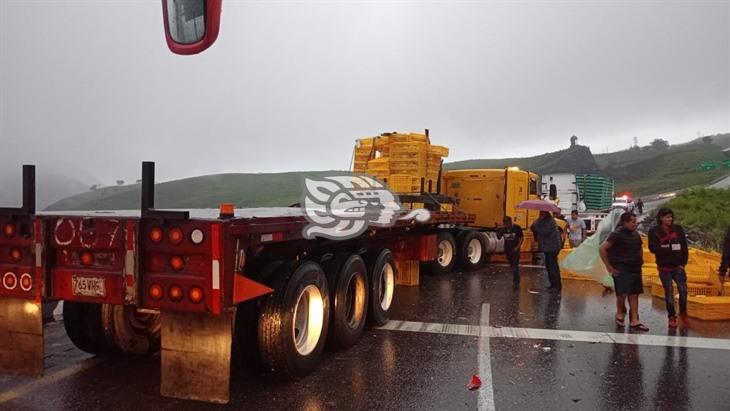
(155, 291)
(177, 263)
(16, 255)
(9, 230)
(86, 257)
(26, 282)
(10, 280)
(176, 236)
(156, 235)
(195, 294)
(176, 293)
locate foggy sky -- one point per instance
(89, 88)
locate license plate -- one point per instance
(88, 286)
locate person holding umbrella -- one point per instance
(548, 238)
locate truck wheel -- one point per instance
(471, 250)
(129, 331)
(348, 280)
(381, 267)
(111, 329)
(445, 254)
(82, 322)
(245, 350)
(292, 326)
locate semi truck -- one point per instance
(590, 194)
(215, 289)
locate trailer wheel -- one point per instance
(111, 329)
(84, 328)
(348, 280)
(245, 351)
(471, 250)
(293, 322)
(446, 254)
(129, 331)
(381, 267)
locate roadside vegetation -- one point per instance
(705, 212)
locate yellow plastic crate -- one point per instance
(403, 183)
(709, 308)
(439, 151)
(693, 289)
(379, 164)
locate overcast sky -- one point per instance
(89, 87)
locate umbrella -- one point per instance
(539, 205)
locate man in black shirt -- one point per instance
(512, 235)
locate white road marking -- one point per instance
(560, 335)
(49, 379)
(486, 392)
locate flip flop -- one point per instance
(639, 327)
(620, 322)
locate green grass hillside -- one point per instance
(641, 170)
(244, 190)
(576, 159)
(705, 210)
(673, 169)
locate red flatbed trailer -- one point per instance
(200, 286)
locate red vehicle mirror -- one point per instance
(191, 26)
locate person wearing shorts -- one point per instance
(622, 254)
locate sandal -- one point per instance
(620, 321)
(639, 327)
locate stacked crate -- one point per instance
(709, 308)
(406, 162)
(364, 152)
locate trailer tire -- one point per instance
(383, 273)
(130, 332)
(348, 280)
(84, 328)
(471, 250)
(245, 352)
(293, 321)
(446, 254)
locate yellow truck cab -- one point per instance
(490, 194)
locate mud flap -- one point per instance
(21, 337)
(196, 356)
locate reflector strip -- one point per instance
(38, 270)
(216, 253)
(216, 275)
(38, 255)
(130, 292)
(272, 237)
(129, 265)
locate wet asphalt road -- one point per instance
(393, 369)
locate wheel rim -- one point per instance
(446, 253)
(355, 301)
(474, 250)
(308, 320)
(387, 286)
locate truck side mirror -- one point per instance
(191, 26)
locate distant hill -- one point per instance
(577, 159)
(668, 170)
(50, 187)
(244, 190)
(641, 170)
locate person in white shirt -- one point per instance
(576, 229)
